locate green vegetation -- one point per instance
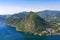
(15, 19)
(31, 22)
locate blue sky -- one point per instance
(15, 6)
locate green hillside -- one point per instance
(32, 23)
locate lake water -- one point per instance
(10, 33)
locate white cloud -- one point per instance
(15, 9)
(11, 10)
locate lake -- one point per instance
(10, 33)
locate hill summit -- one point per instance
(32, 23)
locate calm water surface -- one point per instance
(9, 33)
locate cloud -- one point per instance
(16, 9)
(12, 10)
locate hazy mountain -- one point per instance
(4, 17)
(16, 18)
(49, 15)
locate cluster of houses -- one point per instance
(51, 31)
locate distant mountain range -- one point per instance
(4, 17)
(46, 14)
(49, 15)
(16, 18)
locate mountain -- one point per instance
(4, 17)
(35, 22)
(50, 15)
(30, 22)
(16, 18)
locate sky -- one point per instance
(16, 6)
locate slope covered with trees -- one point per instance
(30, 22)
